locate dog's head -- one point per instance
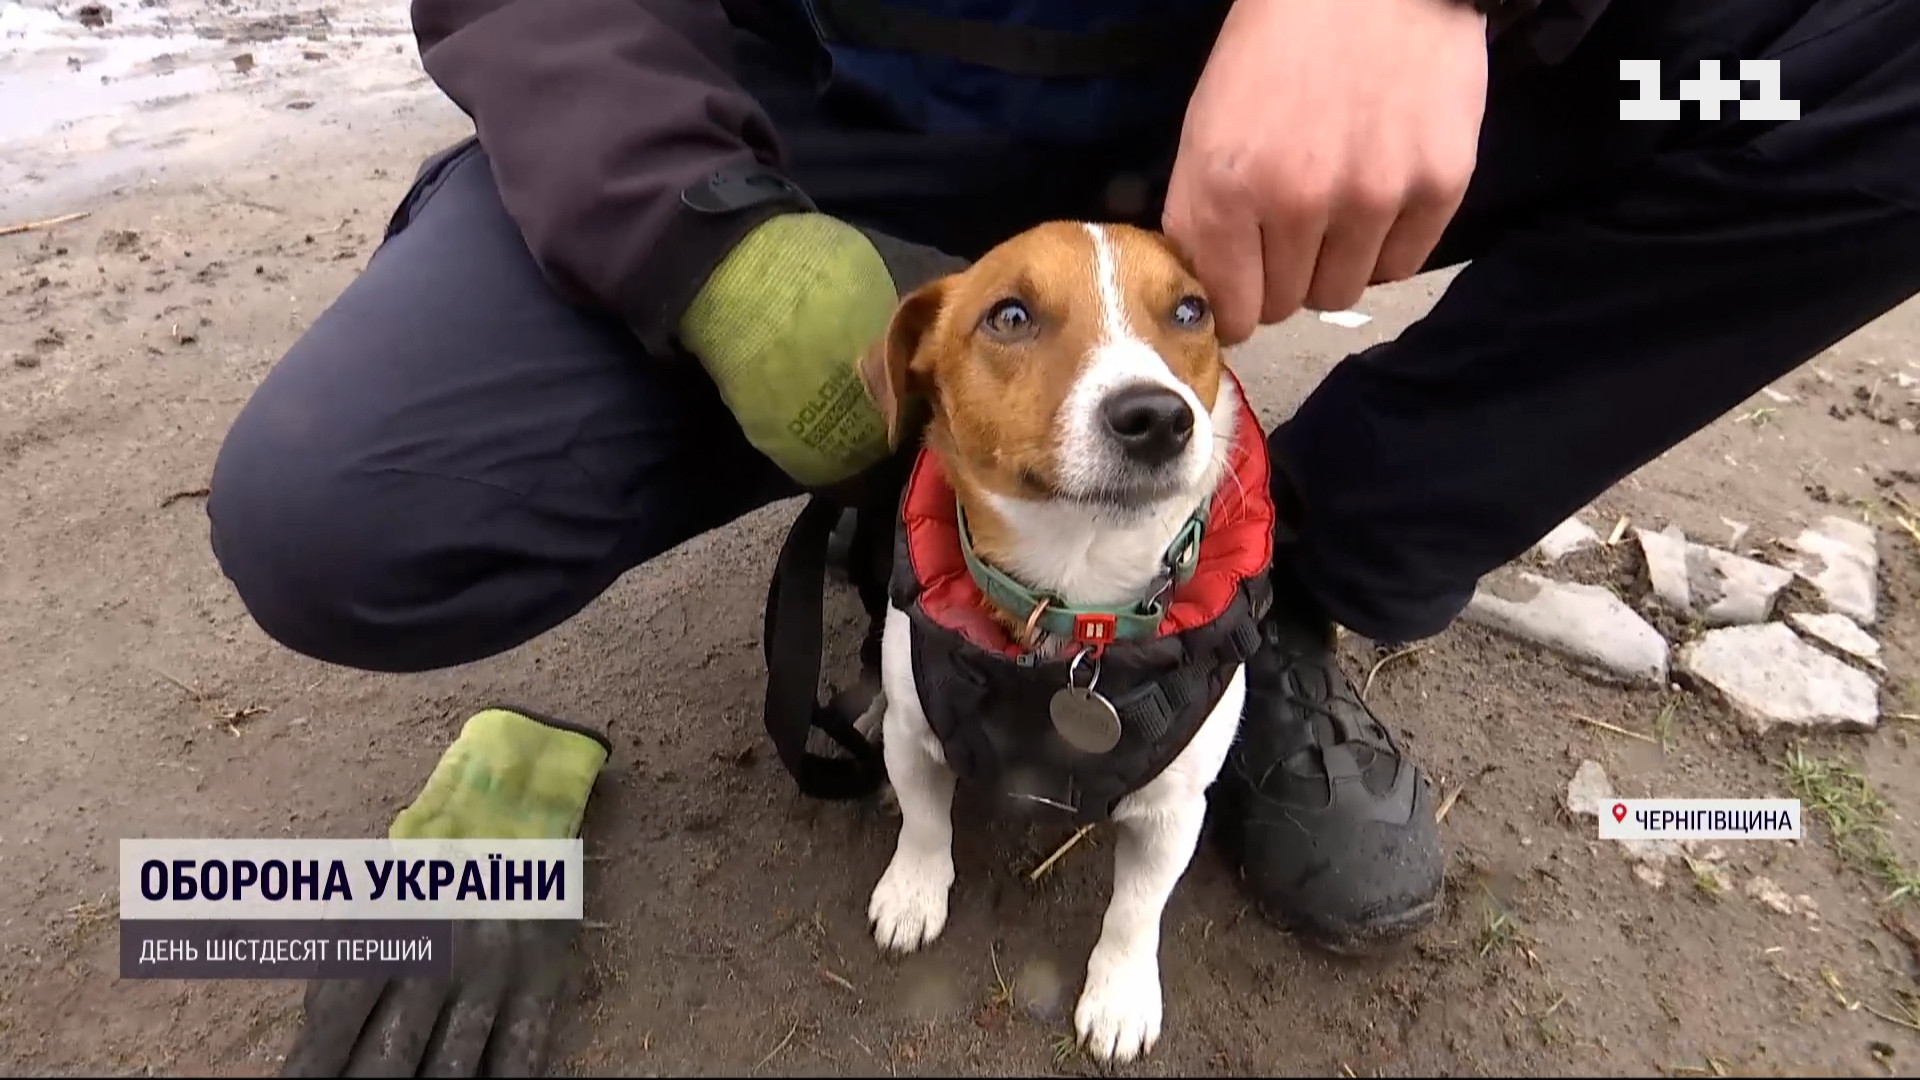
(1072, 363)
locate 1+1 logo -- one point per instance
(1709, 90)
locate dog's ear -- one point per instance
(894, 368)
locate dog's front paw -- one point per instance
(1118, 1018)
(909, 906)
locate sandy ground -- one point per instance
(229, 200)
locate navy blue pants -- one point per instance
(452, 460)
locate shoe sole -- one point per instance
(1380, 937)
(1377, 937)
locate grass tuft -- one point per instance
(1856, 818)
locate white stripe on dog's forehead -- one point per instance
(1114, 325)
(1119, 357)
(1119, 344)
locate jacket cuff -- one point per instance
(716, 212)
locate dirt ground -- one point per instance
(229, 200)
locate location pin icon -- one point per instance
(1619, 811)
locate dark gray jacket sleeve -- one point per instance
(1545, 31)
(598, 116)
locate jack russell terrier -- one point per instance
(1079, 571)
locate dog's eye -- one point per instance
(1189, 312)
(1008, 319)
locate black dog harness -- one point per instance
(1077, 732)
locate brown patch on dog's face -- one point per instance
(1155, 279)
(996, 350)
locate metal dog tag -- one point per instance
(1087, 721)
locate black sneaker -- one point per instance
(1332, 825)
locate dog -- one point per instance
(1082, 416)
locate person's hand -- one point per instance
(780, 327)
(1326, 147)
(512, 774)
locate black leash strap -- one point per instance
(791, 640)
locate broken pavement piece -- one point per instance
(1841, 559)
(1722, 588)
(1665, 553)
(1585, 623)
(1773, 896)
(1566, 538)
(1589, 792)
(1709, 875)
(1769, 676)
(1842, 633)
(1733, 590)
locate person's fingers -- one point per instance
(1291, 235)
(336, 1012)
(1221, 239)
(1411, 241)
(1349, 252)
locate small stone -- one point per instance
(1770, 676)
(1841, 559)
(1905, 425)
(1842, 633)
(1589, 792)
(1770, 895)
(1722, 588)
(1652, 852)
(1585, 623)
(1650, 874)
(1712, 876)
(1566, 538)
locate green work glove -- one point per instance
(781, 325)
(511, 774)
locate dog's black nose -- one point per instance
(1151, 423)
